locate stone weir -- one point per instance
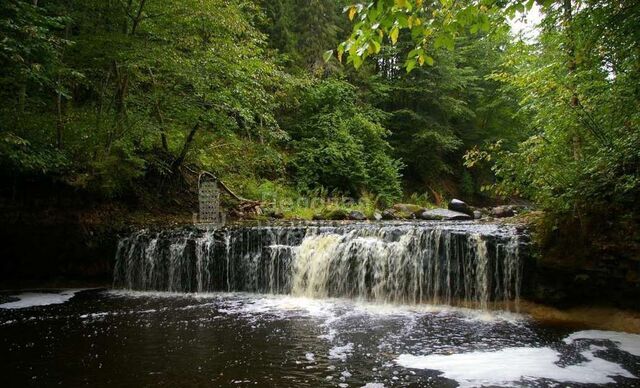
(467, 263)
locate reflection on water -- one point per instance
(116, 338)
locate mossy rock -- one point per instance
(356, 215)
(335, 214)
(403, 211)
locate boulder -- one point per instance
(477, 214)
(356, 215)
(388, 215)
(460, 206)
(335, 214)
(502, 212)
(405, 211)
(407, 208)
(276, 214)
(377, 216)
(443, 215)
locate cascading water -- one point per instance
(411, 262)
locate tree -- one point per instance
(588, 92)
(338, 143)
(432, 25)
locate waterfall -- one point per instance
(458, 263)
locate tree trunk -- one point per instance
(159, 116)
(571, 67)
(22, 97)
(60, 123)
(185, 147)
(163, 134)
(138, 18)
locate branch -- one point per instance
(224, 187)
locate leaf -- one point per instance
(352, 12)
(444, 40)
(410, 65)
(327, 55)
(403, 4)
(376, 46)
(394, 35)
(357, 62)
(428, 60)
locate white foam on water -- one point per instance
(94, 315)
(31, 299)
(509, 365)
(310, 357)
(627, 342)
(373, 385)
(329, 336)
(280, 305)
(156, 294)
(341, 352)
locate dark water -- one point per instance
(127, 339)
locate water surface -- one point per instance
(122, 338)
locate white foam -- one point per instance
(509, 365)
(627, 342)
(30, 299)
(310, 357)
(373, 385)
(249, 303)
(329, 336)
(94, 315)
(341, 352)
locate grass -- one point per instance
(279, 197)
(305, 208)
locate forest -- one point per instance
(320, 193)
(383, 102)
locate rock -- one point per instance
(444, 215)
(477, 214)
(276, 214)
(502, 212)
(335, 214)
(377, 216)
(407, 208)
(356, 215)
(460, 206)
(388, 215)
(405, 211)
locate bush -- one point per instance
(338, 143)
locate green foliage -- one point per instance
(29, 50)
(302, 30)
(582, 97)
(103, 95)
(436, 113)
(340, 144)
(432, 25)
(22, 157)
(114, 89)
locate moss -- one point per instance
(335, 214)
